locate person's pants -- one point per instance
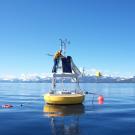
(55, 66)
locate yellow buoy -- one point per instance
(98, 74)
(64, 99)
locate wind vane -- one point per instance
(63, 45)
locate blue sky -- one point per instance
(101, 33)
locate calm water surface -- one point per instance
(115, 117)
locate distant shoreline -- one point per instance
(85, 79)
(70, 82)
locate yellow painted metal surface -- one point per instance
(64, 98)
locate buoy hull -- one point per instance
(64, 99)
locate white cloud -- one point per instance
(8, 77)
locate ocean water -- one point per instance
(30, 115)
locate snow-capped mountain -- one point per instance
(87, 77)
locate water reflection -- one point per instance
(64, 119)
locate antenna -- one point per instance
(49, 54)
(83, 71)
(63, 45)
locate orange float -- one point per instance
(100, 100)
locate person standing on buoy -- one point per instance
(56, 58)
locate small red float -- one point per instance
(7, 106)
(100, 100)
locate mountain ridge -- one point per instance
(83, 79)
